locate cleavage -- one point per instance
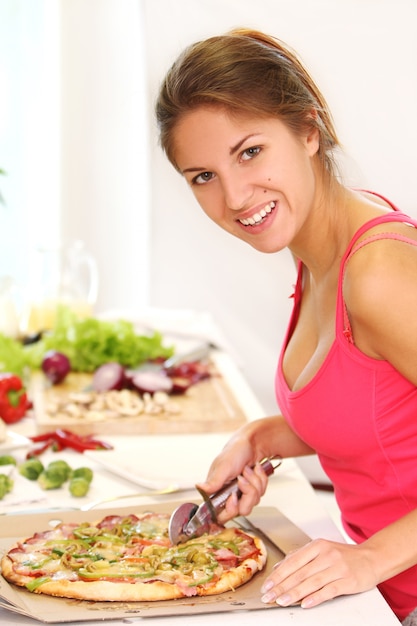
(311, 339)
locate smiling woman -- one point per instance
(255, 142)
(372, 124)
(238, 185)
(216, 85)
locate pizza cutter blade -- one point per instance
(190, 520)
(179, 521)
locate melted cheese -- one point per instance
(129, 549)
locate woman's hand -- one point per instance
(264, 438)
(237, 460)
(320, 571)
(252, 483)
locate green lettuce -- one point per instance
(88, 343)
(13, 357)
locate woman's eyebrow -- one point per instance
(239, 144)
(193, 169)
(232, 151)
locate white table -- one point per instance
(289, 491)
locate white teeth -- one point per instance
(258, 217)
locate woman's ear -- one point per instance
(312, 136)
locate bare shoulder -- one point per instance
(385, 262)
(380, 289)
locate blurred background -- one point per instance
(78, 144)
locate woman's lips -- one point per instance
(258, 218)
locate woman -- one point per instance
(243, 122)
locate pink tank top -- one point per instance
(360, 415)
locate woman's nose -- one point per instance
(236, 190)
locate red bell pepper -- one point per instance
(14, 402)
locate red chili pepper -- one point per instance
(39, 449)
(41, 437)
(70, 440)
(14, 402)
(57, 446)
(78, 442)
(61, 438)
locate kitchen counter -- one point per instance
(288, 490)
(291, 493)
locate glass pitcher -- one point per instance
(62, 275)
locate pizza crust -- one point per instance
(155, 590)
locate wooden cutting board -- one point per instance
(208, 406)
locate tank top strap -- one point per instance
(342, 318)
(377, 237)
(297, 295)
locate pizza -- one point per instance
(130, 558)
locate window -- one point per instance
(29, 123)
(74, 139)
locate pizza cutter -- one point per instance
(191, 520)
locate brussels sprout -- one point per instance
(60, 467)
(7, 459)
(79, 486)
(51, 479)
(83, 472)
(31, 468)
(6, 485)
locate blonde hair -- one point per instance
(245, 72)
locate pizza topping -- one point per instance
(132, 549)
(37, 582)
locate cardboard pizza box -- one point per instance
(60, 610)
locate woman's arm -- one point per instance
(267, 437)
(323, 569)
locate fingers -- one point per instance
(252, 484)
(297, 579)
(224, 468)
(316, 573)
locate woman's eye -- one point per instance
(202, 178)
(249, 153)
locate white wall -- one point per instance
(363, 55)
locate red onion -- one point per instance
(55, 366)
(109, 376)
(150, 382)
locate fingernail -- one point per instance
(269, 597)
(268, 584)
(284, 600)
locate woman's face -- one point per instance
(251, 175)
